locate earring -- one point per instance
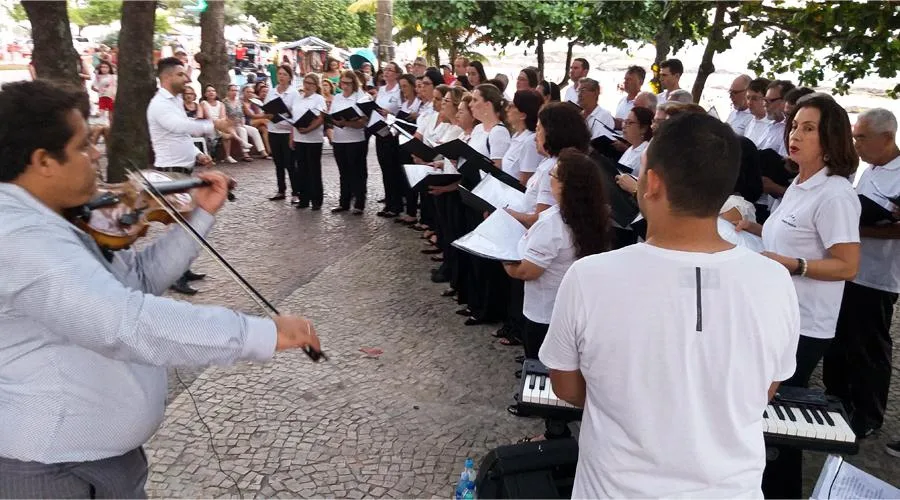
(825, 158)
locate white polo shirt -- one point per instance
(773, 138)
(411, 107)
(739, 119)
(672, 411)
(493, 144)
(756, 130)
(624, 107)
(284, 126)
(598, 121)
(389, 100)
(426, 110)
(571, 93)
(631, 158)
(518, 153)
(345, 135)
(548, 244)
(537, 189)
(813, 216)
(879, 263)
(302, 104)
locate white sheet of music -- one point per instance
(742, 239)
(415, 173)
(839, 479)
(713, 113)
(499, 194)
(496, 238)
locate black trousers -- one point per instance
(427, 208)
(857, 366)
(783, 475)
(284, 161)
(515, 320)
(410, 195)
(308, 161)
(533, 336)
(488, 283)
(450, 216)
(351, 162)
(389, 157)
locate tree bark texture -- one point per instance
(570, 47)
(129, 143)
(539, 51)
(384, 29)
(213, 56)
(54, 55)
(713, 45)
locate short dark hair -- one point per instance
(674, 66)
(528, 102)
(698, 158)
(783, 86)
(551, 89)
(434, 76)
(532, 76)
(794, 95)
(759, 85)
(637, 70)
(34, 115)
(835, 136)
(564, 127)
(584, 64)
(645, 120)
(166, 64)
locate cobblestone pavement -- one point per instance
(396, 426)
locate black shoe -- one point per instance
(464, 312)
(439, 278)
(278, 196)
(448, 293)
(381, 201)
(520, 358)
(357, 211)
(337, 210)
(182, 287)
(386, 214)
(431, 251)
(472, 321)
(192, 276)
(893, 449)
(316, 208)
(300, 205)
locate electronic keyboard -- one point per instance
(796, 417)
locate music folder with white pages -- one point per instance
(497, 238)
(492, 193)
(421, 177)
(839, 479)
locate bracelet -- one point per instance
(803, 267)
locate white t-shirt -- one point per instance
(624, 107)
(537, 189)
(425, 110)
(812, 217)
(632, 157)
(662, 98)
(518, 151)
(571, 93)
(411, 107)
(548, 244)
(284, 126)
(600, 123)
(494, 144)
(756, 130)
(879, 262)
(302, 104)
(738, 120)
(773, 138)
(344, 135)
(389, 100)
(672, 411)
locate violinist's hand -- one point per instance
(295, 332)
(212, 197)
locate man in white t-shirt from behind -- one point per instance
(674, 393)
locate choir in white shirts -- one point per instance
(493, 144)
(288, 96)
(813, 216)
(572, 93)
(537, 189)
(522, 155)
(879, 262)
(631, 158)
(389, 99)
(302, 104)
(739, 119)
(348, 134)
(624, 107)
(600, 123)
(756, 130)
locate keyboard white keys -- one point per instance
(844, 432)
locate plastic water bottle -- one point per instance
(465, 488)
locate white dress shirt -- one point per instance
(738, 120)
(171, 131)
(879, 259)
(86, 340)
(601, 123)
(548, 244)
(624, 107)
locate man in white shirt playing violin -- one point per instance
(87, 338)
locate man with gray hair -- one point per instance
(740, 116)
(682, 96)
(599, 121)
(646, 100)
(857, 366)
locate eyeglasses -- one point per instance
(770, 101)
(630, 122)
(736, 92)
(754, 98)
(345, 82)
(446, 99)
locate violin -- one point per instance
(166, 201)
(121, 213)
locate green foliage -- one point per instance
(184, 12)
(95, 13)
(327, 19)
(853, 39)
(16, 12)
(447, 25)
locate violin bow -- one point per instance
(267, 306)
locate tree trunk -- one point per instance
(662, 42)
(713, 45)
(54, 55)
(539, 51)
(213, 57)
(129, 142)
(571, 47)
(384, 29)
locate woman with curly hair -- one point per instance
(575, 227)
